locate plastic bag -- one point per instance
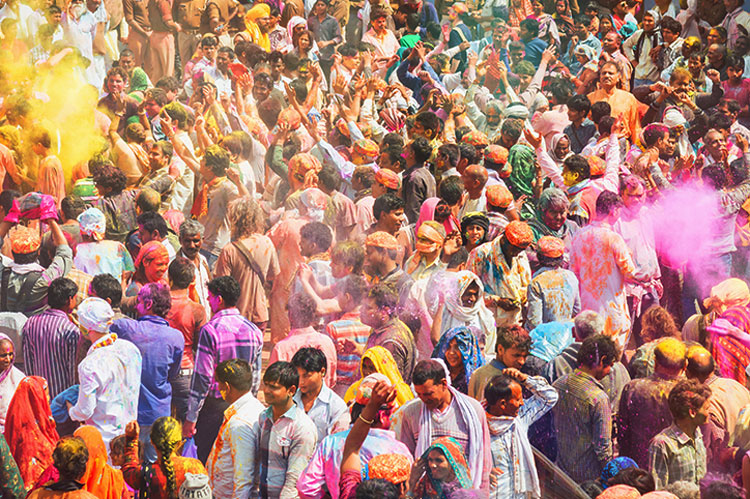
(189, 449)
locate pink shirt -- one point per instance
(307, 337)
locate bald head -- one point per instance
(700, 364)
(669, 356)
(476, 172)
(475, 178)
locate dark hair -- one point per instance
(429, 121)
(168, 84)
(600, 109)
(580, 103)
(426, 370)
(719, 121)
(732, 105)
(377, 488)
(7, 197)
(499, 388)
(604, 126)
(71, 207)
(161, 299)
(70, 457)
(217, 160)
(562, 90)
(578, 164)
(311, 359)
(54, 9)
(672, 25)
(687, 394)
(152, 221)
(451, 190)
(181, 273)
(607, 203)
(592, 488)
(652, 134)
(739, 171)
(111, 177)
(469, 153)
(392, 139)
(237, 373)
(715, 175)
(394, 154)
(227, 287)
(107, 287)
(355, 286)
(384, 296)
(210, 41)
(513, 337)
(116, 71)
(452, 153)
(268, 111)
(117, 445)
(595, 349)
(532, 26)
(330, 178)
(385, 204)
(302, 310)
(421, 148)
(317, 233)
(512, 127)
(350, 254)
(226, 50)
(364, 175)
(718, 486)
(283, 373)
(347, 50)
(60, 291)
(637, 478)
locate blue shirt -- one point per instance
(161, 349)
(534, 49)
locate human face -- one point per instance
(55, 19)
(602, 371)
(368, 367)
(561, 7)
(379, 24)
(261, 91)
(669, 35)
(474, 234)
(633, 197)
(155, 268)
(151, 107)
(555, 218)
(611, 42)
(339, 270)
(392, 220)
(146, 236)
(276, 394)
(430, 394)
(538, 8)
(156, 159)
(222, 62)
(191, 245)
(695, 65)
(510, 406)
(621, 9)
(570, 178)
(493, 116)
(562, 148)
(378, 189)
(453, 355)
(703, 413)
(115, 84)
(516, 55)
(734, 74)
(440, 468)
(648, 22)
(320, 9)
(209, 51)
(127, 62)
(7, 354)
(307, 248)
(512, 356)
(497, 34)
(582, 30)
(310, 381)
(730, 5)
(716, 144)
(277, 68)
(608, 76)
(713, 37)
(371, 315)
(350, 62)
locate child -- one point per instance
(737, 88)
(581, 129)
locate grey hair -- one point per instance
(684, 489)
(588, 323)
(630, 182)
(553, 198)
(191, 227)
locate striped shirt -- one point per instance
(348, 327)
(583, 423)
(228, 335)
(49, 349)
(674, 456)
(282, 450)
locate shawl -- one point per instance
(471, 354)
(384, 364)
(138, 81)
(522, 159)
(427, 212)
(455, 314)
(100, 478)
(257, 36)
(555, 140)
(521, 452)
(565, 22)
(475, 458)
(550, 339)
(30, 429)
(451, 449)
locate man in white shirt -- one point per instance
(385, 42)
(228, 464)
(110, 374)
(14, 9)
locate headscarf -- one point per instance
(553, 145)
(152, 250)
(453, 453)
(367, 148)
(475, 218)
(673, 117)
(456, 314)
(315, 202)
(516, 110)
(384, 364)
(304, 167)
(614, 466)
(293, 23)
(654, 35)
(138, 80)
(427, 212)
(388, 178)
(93, 223)
(522, 159)
(95, 314)
(548, 340)
(471, 354)
(251, 24)
(30, 429)
(431, 231)
(589, 53)
(100, 478)
(730, 293)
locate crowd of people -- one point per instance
(331, 248)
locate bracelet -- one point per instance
(368, 423)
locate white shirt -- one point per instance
(24, 11)
(228, 465)
(329, 412)
(202, 277)
(182, 192)
(110, 379)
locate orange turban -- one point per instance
(551, 246)
(499, 196)
(519, 234)
(24, 240)
(388, 178)
(382, 240)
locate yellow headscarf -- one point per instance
(256, 35)
(385, 365)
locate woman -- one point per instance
(585, 79)
(440, 471)
(71, 458)
(606, 24)
(10, 376)
(551, 217)
(563, 17)
(559, 148)
(95, 255)
(258, 14)
(460, 350)
(522, 159)
(150, 266)
(30, 429)
(380, 360)
(547, 27)
(304, 45)
(518, 10)
(474, 228)
(162, 479)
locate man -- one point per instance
(302, 316)
(451, 414)
(728, 397)
(14, 9)
(533, 45)
(117, 102)
(736, 21)
(418, 182)
(191, 240)
(589, 323)
(159, 56)
(611, 44)
(602, 262)
(139, 29)
(385, 42)
(159, 160)
(644, 411)
(553, 293)
(582, 38)
(583, 419)
(381, 252)
(283, 438)
(188, 317)
(109, 376)
(323, 471)
(327, 410)
(50, 339)
(503, 267)
(379, 311)
(512, 348)
(678, 453)
(509, 418)
(327, 34)
(28, 281)
(182, 191)
(228, 335)
(475, 180)
(161, 348)
(388, 212)
(623, 103)
(228, 467)
(153, 227)
(638, 49)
